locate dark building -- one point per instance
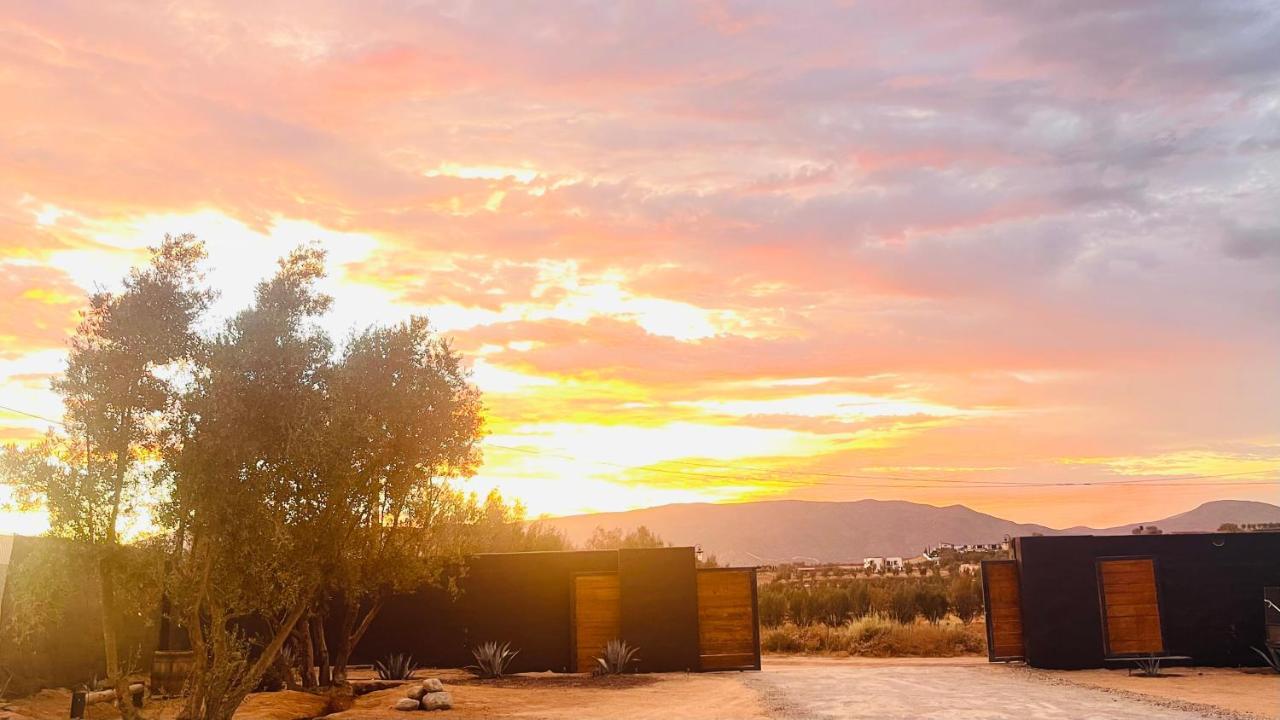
(1072, 602)
(560, 608)
(63, 646)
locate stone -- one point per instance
(433, 685)
(415, 692)
(437, 701)
(406, 704)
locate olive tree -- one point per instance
(252, 488)
(404, 419)
(118, 386)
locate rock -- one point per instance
(437, 701)
(415, 692)
(406, 704)
(433, 685)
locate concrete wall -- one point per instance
(1210, 587)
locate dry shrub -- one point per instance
(876, 636)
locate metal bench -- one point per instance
(1149, 665)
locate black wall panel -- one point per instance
(660, 606)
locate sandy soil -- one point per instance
(1251, 692)
(789, 687)
(530, 696)
(56, 704)
(657, 696)
(858, 689)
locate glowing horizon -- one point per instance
(963, 258)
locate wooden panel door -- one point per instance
(597, 617)
(1130, 606)
(728, 636)
(1003, 599)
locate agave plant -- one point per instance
(396, 667)
(617, 658)
(1271, 657)
(492, 660)
(1150, 667)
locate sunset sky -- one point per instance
(711, 251)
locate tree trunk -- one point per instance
(351, 636)
(342, 651)
(219, 699)
(307, 654)
(110, 613)
(119, 680)
(322, 652)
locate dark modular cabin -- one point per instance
(1086, 601)
(68, 650)
(560, 608)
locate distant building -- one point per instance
(873, 563)
(933, 551)
(893, 563)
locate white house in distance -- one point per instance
(875, 564)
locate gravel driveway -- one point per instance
(960, 691)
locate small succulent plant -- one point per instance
(618, 658)
(492, 659)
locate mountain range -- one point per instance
(761, 533)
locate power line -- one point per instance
(32, 415)
(1167, 481)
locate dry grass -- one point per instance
(875, 636)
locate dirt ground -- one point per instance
(530, 696)
(549, 695)
(56, 704)
(1246, 692)
(789, 687)
(962, 689)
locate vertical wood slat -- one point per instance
(1003, 598)
(1130, 606)
(597, 616)
(726, 619)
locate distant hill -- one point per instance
(758, 533)
(1211, 516)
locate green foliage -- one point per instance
(965, 595)
(617, 539)
(772, 607)
(832, 602)
(396, 667)
(875, 636)
(902, 605)
(617, 658)
(492, 659)
(931, 603)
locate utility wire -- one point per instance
(1167, 481)
(944, 482)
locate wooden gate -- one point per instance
(597, 616)
(1131, 606)
(728, 631)
(1003, 600)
